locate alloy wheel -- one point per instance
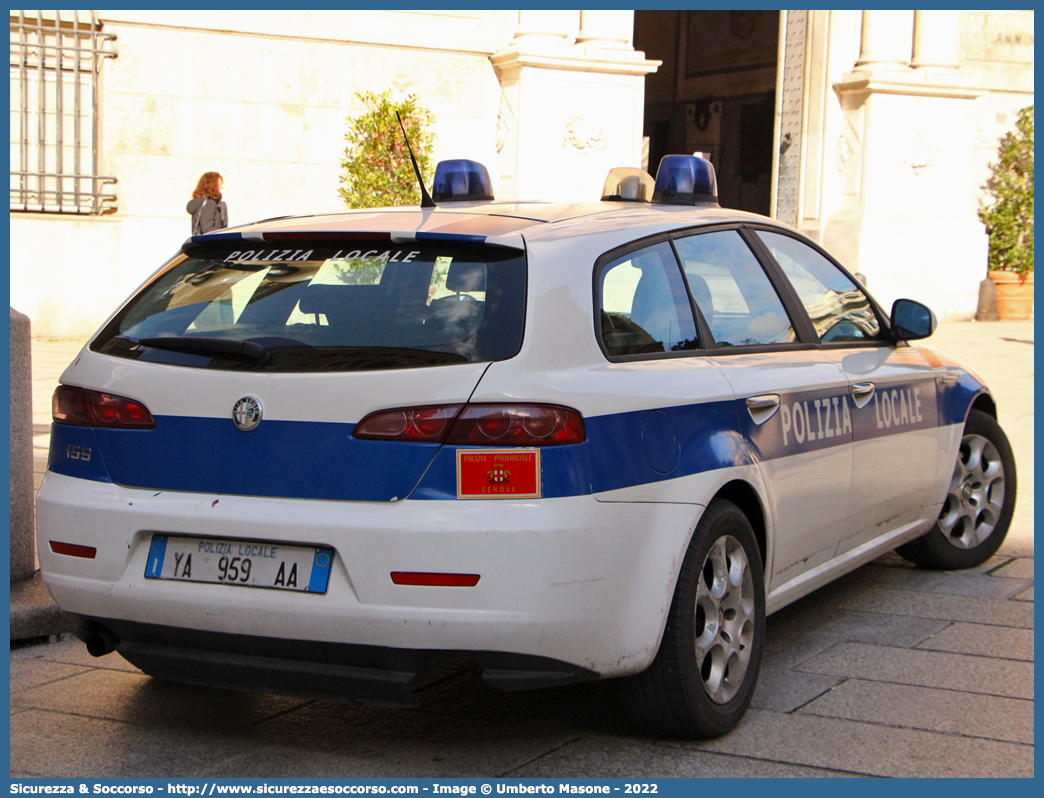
(724, 620)
(976, 496)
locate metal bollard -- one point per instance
(23, 513)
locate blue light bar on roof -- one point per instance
(461, 181)
(685, 180)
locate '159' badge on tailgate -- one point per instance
(498, 474)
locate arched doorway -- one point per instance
(715, 94)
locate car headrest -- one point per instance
(701, 293)
(466, 277)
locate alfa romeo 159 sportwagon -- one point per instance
(318, 455)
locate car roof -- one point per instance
(501, 223)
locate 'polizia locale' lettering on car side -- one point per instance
(319, 455)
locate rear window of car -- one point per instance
(347, 306)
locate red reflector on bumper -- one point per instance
(434, 580)
(72, 550)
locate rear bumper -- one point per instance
(573, 580)
(337, 671)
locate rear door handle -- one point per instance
(862, 393)
(762, 408)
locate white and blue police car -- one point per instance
(319, 455)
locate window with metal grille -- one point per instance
(56, 59)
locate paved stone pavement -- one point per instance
(890, 671)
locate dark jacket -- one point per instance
(213, 215)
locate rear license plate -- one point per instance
(245, 563)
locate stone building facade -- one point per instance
(870, 131)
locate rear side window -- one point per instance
(644, 308)
(732, 291)
(348, 306)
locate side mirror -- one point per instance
(911, 320)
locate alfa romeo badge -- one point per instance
(246, 413)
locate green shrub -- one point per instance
(376, 169)
(1008, 215)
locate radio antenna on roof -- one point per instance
(426, 200)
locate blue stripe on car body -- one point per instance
(321, 460)
(809, 421)
(318, 460)
(210, 238)
(288, 459)
(425, 236)
(63, 437)
(954, 400)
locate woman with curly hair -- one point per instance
(207, 210)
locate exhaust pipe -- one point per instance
(100, 641)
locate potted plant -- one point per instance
(1008, 216)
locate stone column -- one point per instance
(886, 41)
(23, 532)
(606, 29)
(572, 104)
(905, 154)
(546, 27)
(936, 38)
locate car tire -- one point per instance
(980, 502)
(704, 674)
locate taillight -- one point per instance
(476, 425)
(518, 425)
(416, 424)
(82, 408)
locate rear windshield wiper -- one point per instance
(248, 350)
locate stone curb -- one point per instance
(34, 613)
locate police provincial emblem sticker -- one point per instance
(498, 474)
